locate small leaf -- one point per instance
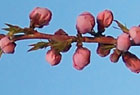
(123, 28)
(38, 45)
(104, 49)
(61, 46)
(10, 25)
(6, 29)
(13, 29)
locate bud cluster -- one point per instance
(124, 42)
(86, 21)
(60, 42)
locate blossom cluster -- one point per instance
(61, 42)
(124, 42)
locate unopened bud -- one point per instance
(104, 19)
(40, 17)
(123, 42)
(64, 44)
(6, 45)
(102, 51)
(81, 58)
(132, 62)
(135, 34)
(114, 57)
(85, 22)
(52, 57)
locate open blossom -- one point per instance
(104, 19)
(123, 42)
(6, 45)
(132, 62)
(135, 34)
(81, 58)
(53, 57)
(40, 17)
(85, 22)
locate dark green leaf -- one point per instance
(13, 29)
(38, 45)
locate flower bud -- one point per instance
(135, 34)
(104, 19)
(85, 22)
(101, 51)
(60, 32)
(132, 62)
(60, 41)
(114, 57)
(40, 17)
(6, 45)
(52, 57)
(81, 58)
(123, 42)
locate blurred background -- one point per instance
(25, 73)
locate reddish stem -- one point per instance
(37, 35)
(103, 40)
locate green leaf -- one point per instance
(13, 29)
(107, 46)
(122, 27)
(61, 46)
(38, 45)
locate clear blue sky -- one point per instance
(29, 74)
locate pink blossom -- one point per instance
(40, 17)
(52, 57)
(105, 18)
(132, 62)
(81, 58)
(135, 34)
(85, 22)
(123, 42)
(6, 45)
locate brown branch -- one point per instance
(103, 40)
(37, 35)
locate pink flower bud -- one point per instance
(53, 57)
(40, 17)
(135, 34)
(81, 58)
(85, 22)
(123, 42)
(6, 45)
(105, 18)
(132, 62)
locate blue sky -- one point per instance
(29, 74)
